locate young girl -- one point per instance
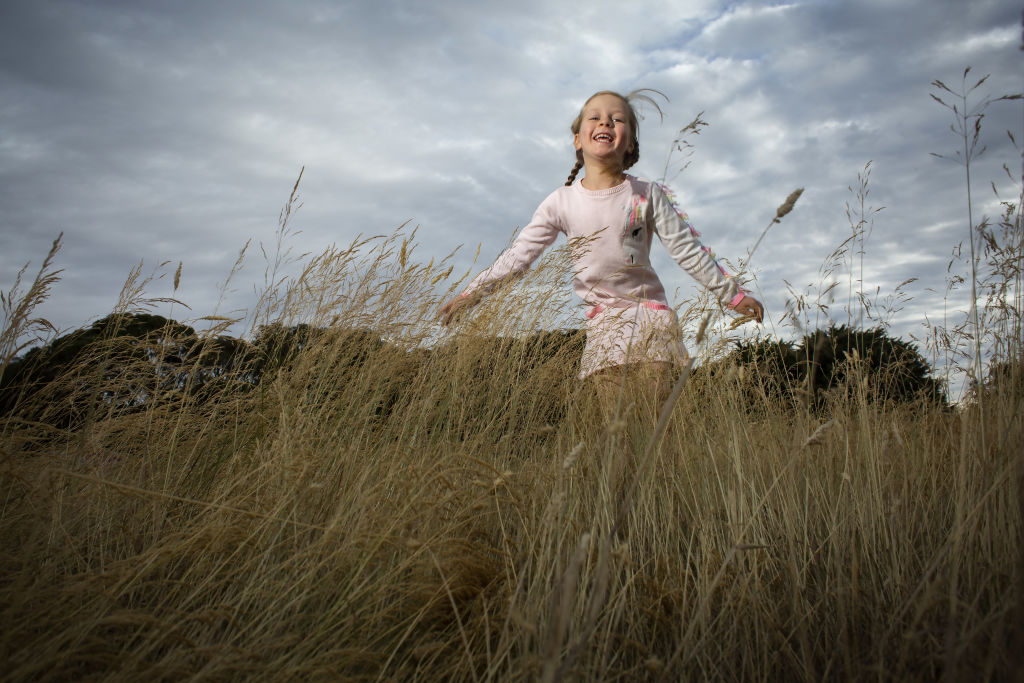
(628, 317)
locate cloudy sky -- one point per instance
(173, 131)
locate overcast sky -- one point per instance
(173, 131)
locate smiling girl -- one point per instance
(628, 317)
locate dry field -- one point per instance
(472, 511)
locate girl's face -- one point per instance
(605, 134)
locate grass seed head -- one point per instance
(818, 437)
(790, 202)
(570, 459)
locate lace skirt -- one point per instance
(639, 333)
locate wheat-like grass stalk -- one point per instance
(20, 330)
(782, 211)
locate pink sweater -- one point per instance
(614, 270)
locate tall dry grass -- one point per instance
(397, 503)
(385, 511)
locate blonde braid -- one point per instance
(575, 170)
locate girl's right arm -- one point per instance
(526, 248)
(456, 307)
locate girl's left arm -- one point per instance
(683, 244)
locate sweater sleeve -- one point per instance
(528, 245)
(683, 244)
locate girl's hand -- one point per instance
(748, 305)
(454, 308)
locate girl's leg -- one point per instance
(634, 390)
(629, 398)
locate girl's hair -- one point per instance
(634, 155)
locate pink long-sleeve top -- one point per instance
(614, 268)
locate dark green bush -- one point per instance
(830, 365)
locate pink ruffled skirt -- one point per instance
(639, 333)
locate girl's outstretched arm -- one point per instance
(455, 308)
(683, 244)
(748, 305)
(471, 297)
(513, 262)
